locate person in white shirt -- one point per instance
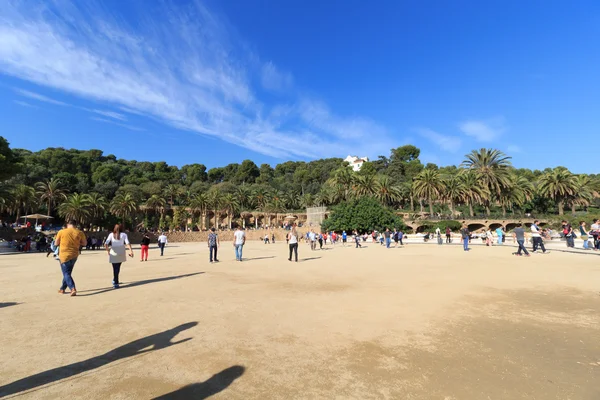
(293, 243)
(162, 242)
(312, 237)
(536, 237)
(239, 239)
(115, 246)
(595, 230)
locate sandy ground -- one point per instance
(419, 322)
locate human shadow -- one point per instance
(258, 258)
(134, 284)
(203, 390)
(8, 304)
(309, 259)
(140, 346)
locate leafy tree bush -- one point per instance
(364, 215)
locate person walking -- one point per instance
(320, 241)
(519, 236)
(584, 235)
(239, 239)
(145, 244)
(595, 231)
(536, 237)
(162, 242)
(344, 238)
(465, 234)
(388, 238)
(312, 237)
(115, 246)
(400, 237)
(213, 244)
(293, 243)
(438, 235)
(69, 240)
(500, 233)
(569, 234)
(448, 235)
(357, 239)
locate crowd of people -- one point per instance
(69, 242)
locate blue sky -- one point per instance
(220, 81)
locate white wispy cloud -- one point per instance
(181, 65)
(110, 121)
(445, 142)
(24, 104)
(484, 130)
(273, 79)
(106, 113)
(37, 96)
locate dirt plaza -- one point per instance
(418, 322)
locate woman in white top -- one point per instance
(293, 243)
(115, 246)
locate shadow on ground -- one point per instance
(134, 284)
(215, 384)
(140, 346)
(8, 304)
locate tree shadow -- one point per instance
(133, 284)
(8, 304)
(215, 384)
(308, 259)
(258, 258)
(140, 346)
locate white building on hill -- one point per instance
(356, 162)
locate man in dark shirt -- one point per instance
(465, 234)
(387, 234)
(519, 235)
(213, 244)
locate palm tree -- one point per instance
(51, 192)
(98, 205)
(291, 200)
(454, 191)
(214, 198)
(343, 177)
(23, 198)
(230, 205)
(307, 200)
(123, 205)
(517, 192)
(199, 204)
(385, 191)
(428, 185)
(558, 185)
(363, 185)
(172, 192)
(244, 197)
(261, 197)
(475, 192)
(583, 193)
(77, 207)
(156, 203)
(492, 168)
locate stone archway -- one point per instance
(511, 226)
(495, 226)
(474, 227)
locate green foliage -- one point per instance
(8, 161)
(364, 215)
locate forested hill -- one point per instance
(85, 171)
(91, 186)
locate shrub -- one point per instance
(364, 215)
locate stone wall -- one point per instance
(179, 237)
